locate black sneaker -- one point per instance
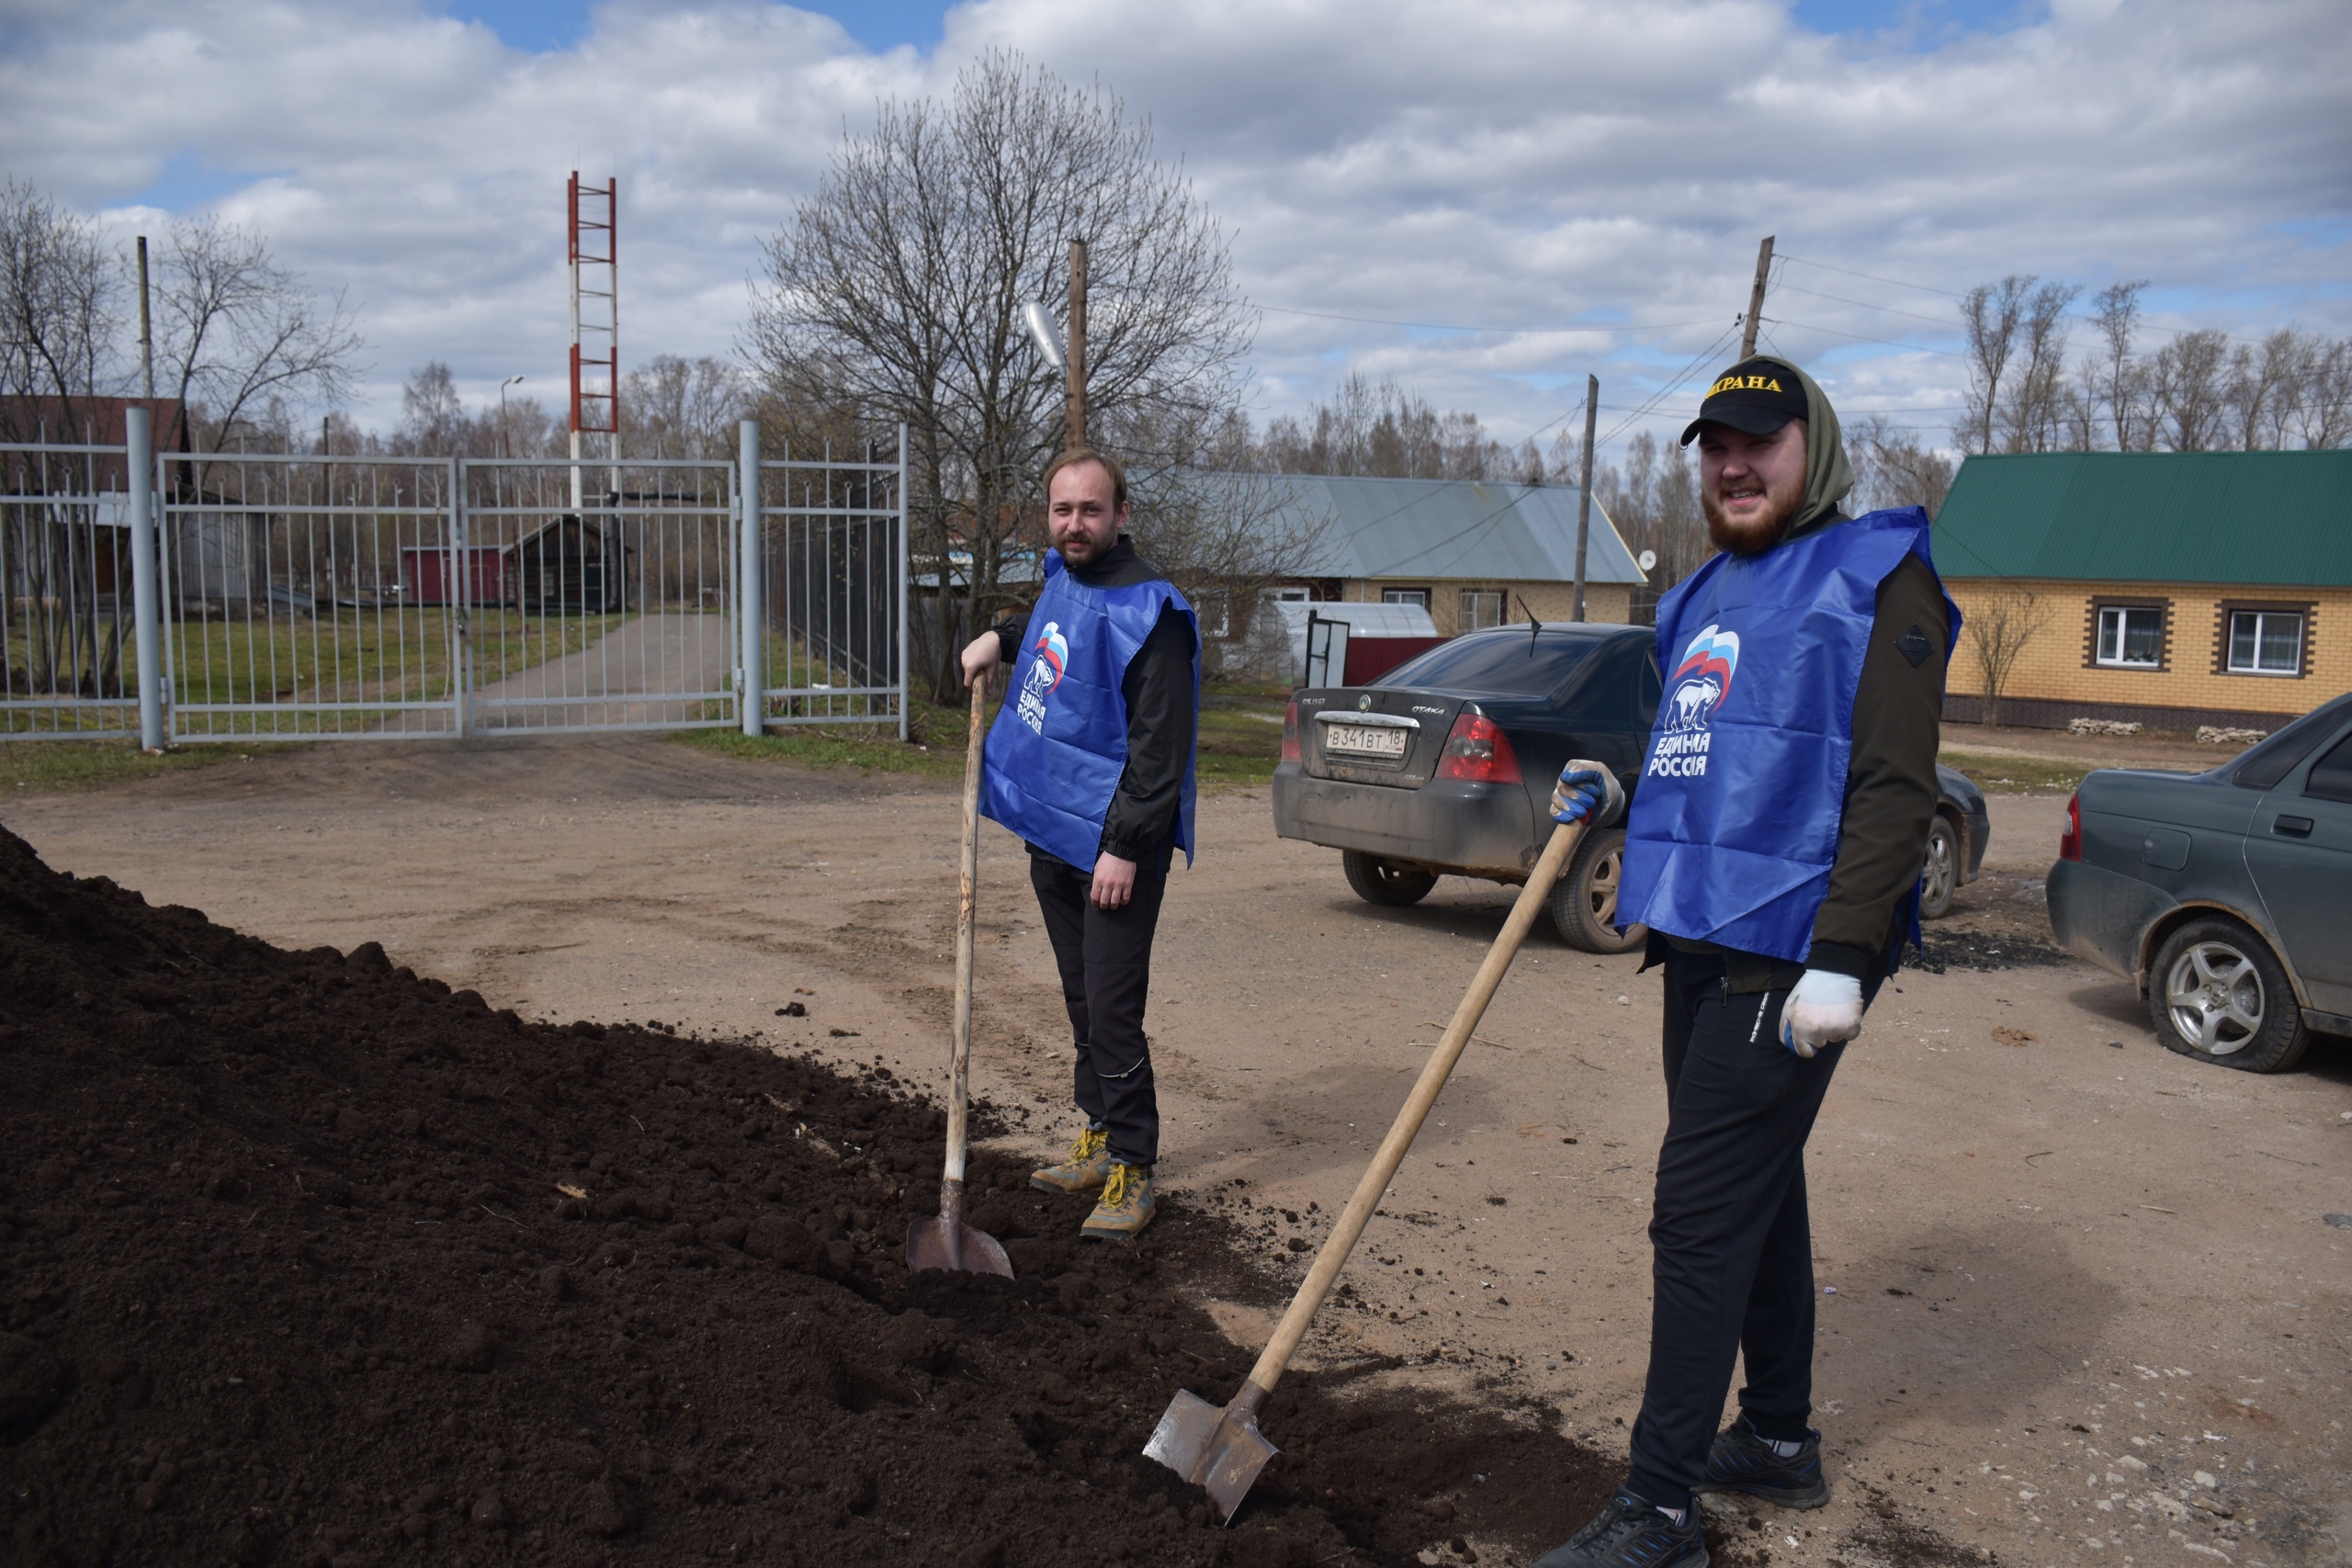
(1743, 1463)
(1629, 1533)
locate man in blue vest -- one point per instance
(1773, 848)
(1090, 761)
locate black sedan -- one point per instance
(2221, 895)
(1447, 767)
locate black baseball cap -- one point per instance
(1756, 396)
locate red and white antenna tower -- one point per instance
(594, 212)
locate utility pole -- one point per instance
(1583, 488)
(1756, 297)
(1074, 360)
(146, 331)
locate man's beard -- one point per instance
(1751, 536)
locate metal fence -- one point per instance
(832, 552)
(300, 596)
(68, 661)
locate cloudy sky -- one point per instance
(1484, 198)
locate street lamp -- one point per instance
(501, 414)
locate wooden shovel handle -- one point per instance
(959, 1070)
(1368, 1193)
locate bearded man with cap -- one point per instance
(1090, 761)
(1774, 847)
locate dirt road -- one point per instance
(2084, 1308)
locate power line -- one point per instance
(1888, 310)
(1864, 337)
(1849, 272)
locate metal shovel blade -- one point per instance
(1218, 1447)
(939, 1242)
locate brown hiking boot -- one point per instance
(1125, 1206)
(1087, 1167)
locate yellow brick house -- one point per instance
(2175, 590)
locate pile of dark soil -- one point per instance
(306, 1260)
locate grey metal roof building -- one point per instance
(1443, 529)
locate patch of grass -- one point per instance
(2016, 775)
(869, 749)
(1241, 743)
(28, 767)
(1241, 733)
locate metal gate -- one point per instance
(301, 596)
(832, 548)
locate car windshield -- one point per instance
(2274, 759)
(1511, 663)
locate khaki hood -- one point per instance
(1828, 477)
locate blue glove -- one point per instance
(1586, 793)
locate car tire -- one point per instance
(1377, 882)
(2218, 993)
(1584, 901)
(1940, 875)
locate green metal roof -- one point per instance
(2280, 518)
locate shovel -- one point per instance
(948, 1242)
(1222, 1449)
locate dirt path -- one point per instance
(2073, 1278)
(652, 669)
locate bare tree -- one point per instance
(433, 417)
(1998, 630)
(1893, 467)
(1991, 313)
(236, 330)
(61, 298)
(896, 287)
(2111, 377)
(1378, 429)
(2265, 389)
(685, 408)
(2324, 403)
(2033, 415)
(2188, 384)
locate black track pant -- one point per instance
(1732, 1250)
(1104, 956)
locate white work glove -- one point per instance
(1824, 1007)
(1587, 792)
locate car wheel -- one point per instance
(1940, 878)
(1377, 882)
(1583, 903)
(2216, 991)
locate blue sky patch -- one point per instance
(545, 26)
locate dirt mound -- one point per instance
(306, 1260)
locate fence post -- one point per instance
(145, 595)
(906, 569)
(751, 601)
(461, 562)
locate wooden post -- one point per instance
(1756, 297)
(1583, 488)
(1074, 360)
(146, 331)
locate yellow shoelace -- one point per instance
(1115, 1188)
(1089, 1144)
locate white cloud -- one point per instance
(1500, 163)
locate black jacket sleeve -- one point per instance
(1161, 720)
(1891, 777)
(1008, 630)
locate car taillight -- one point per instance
(1478, 751)
(2070, 842)
(1290, 732)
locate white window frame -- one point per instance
(1468, 616)
(2109, 651)
(1418, 597)
(2229, 654)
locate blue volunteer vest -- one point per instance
(1733, 830)
(1059, 743)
